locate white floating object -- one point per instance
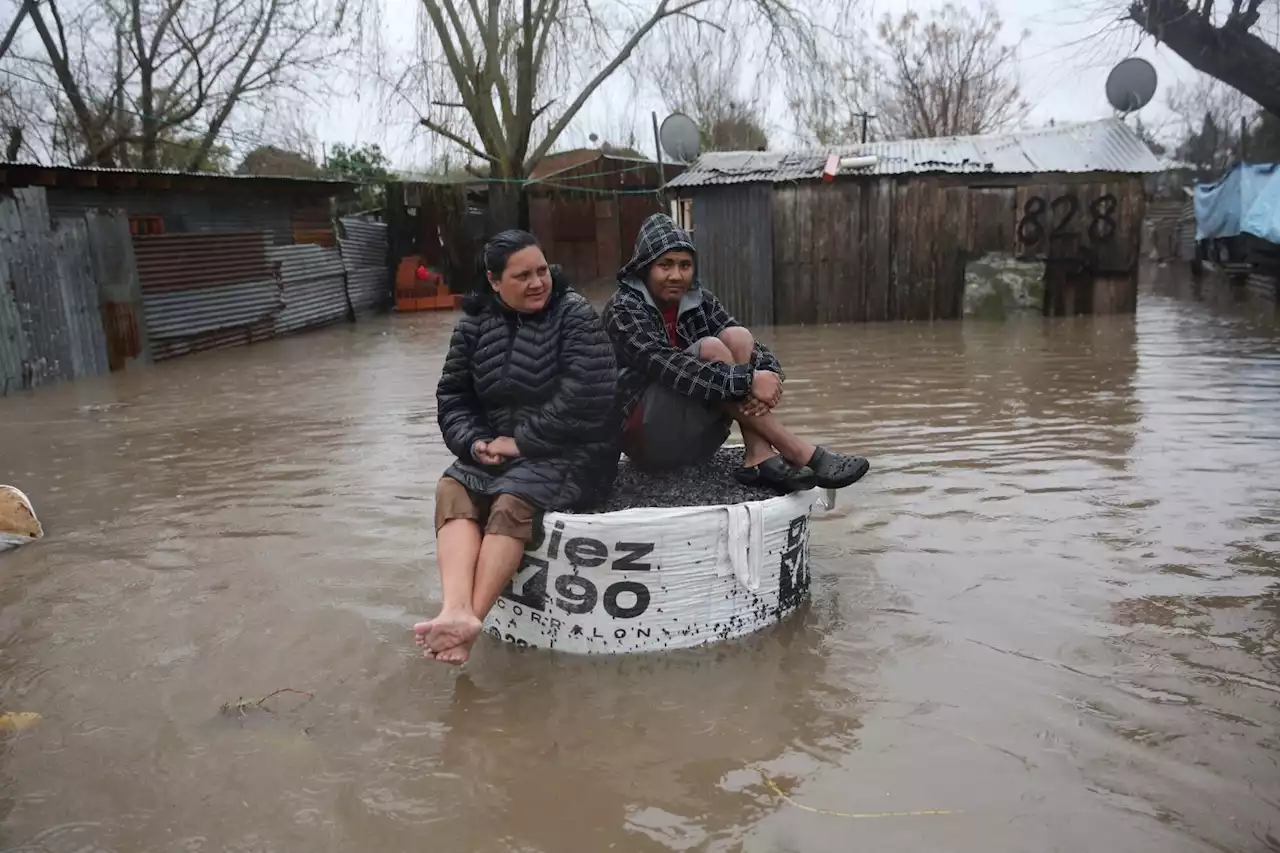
(649, 579)
(18, 522)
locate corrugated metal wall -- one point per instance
(50, 322)
(1263, 286)
(14, 352)
(185, 211)
(116, 269)
(85, 296)
(314, 286)
(363, 242)
(733, 229)
(1187, 232)
(206, 291)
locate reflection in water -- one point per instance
(1051, 609)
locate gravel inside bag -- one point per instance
(708, 484)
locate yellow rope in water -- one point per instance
(773, 786)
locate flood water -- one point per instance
(1049, 613)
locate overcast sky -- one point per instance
(1064, 66)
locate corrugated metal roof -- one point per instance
(1101, 146)
(177, 173)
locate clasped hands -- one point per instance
(495, 451)
(766, 393)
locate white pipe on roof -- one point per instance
(859, 162)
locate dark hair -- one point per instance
(493, 260)
(502, 246)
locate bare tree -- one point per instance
(132, 78)
(507, 77)
(1208, 115)
(697, 70)
(950, 75)
(831, 103)
(1236, 44)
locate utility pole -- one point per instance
(864, 117)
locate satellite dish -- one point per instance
(680, 138)
(1131, 84)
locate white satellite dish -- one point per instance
(680, 138)
(1131, 84)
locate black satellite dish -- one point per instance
(1131, 84)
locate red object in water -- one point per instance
(420, 272)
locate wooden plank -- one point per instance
(819, 222)
(884, 250)
(929, 235)
(784, 255)
(804, 293)
(992, 220)
(853, 307)
(904, 252)
(953, 239)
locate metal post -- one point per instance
(657, 146)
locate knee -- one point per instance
(714, 349)
(739, 341)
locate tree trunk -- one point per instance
(1229, 53)
(508, 207)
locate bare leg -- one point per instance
(768, 429)
(763, 433)
(499, 559)
(457, 550)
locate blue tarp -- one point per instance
(1245, 201)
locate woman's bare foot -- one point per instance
(449, 636)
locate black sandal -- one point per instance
(775, 472)
(835, 470)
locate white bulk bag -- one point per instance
(18, 522)
(647, 579)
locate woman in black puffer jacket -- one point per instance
(526, 405)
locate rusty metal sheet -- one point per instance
(13, 342)
(313, 283)
(50, 328)
(364, 254)
(116, 270)
(170, 262)
(220, 339)
(189, 313)
(86, 339)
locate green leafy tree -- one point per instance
(366, 164)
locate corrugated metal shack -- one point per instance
(890, 240)
(151, 265)
(586, 207)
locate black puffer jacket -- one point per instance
(548, 381)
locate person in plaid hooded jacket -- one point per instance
(688, 371)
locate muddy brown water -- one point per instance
(1049, 613)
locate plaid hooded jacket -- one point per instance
(645, 354)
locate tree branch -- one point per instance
(660, 14)
(441, 130)
(1231, 54)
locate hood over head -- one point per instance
(658, 235)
